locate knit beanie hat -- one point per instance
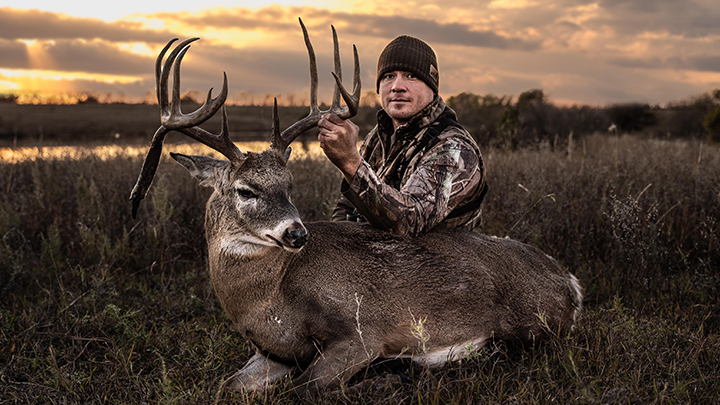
(412, 55)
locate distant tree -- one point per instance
(480, 115)
(510, 127)
(632, 117)
(685, 118)
(532, 115)
(369, 98)
(8, 98)
(532, 96)
(87, 98)
(712, 124)
(191, 97)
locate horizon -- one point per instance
(578, 52)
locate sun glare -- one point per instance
(138, 48)
(8, 86)
(29, 75)
(36, 86)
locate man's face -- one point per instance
(402, 95)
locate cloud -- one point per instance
(592, 51)
(73, 56)
(274, 19)
(690, 19)
(433, 32)
(708, 63)
(704, 63)
(261, 70)
(95, 57)
(651, 63)
(14, 55)
(42, 25)
(271, 18)
(252, 69)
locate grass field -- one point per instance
(98, 308)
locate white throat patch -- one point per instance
(244, 245)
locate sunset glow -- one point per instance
(305, 150)
(576, 51)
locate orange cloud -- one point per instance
(589, 52)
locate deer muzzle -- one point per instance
(296, 236)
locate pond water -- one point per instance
(105, 152)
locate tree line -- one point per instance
(502, 121)
(532, 119)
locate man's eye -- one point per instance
(387, 77)
(245, 193)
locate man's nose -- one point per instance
(399, 84)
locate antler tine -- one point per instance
(352, 101)
(220, 142)
(162, 101)
(149, 167)
(338, 69)
(162, 74)
(187, 123)
(313, 70)
(277, 141)
(177, 119)
(292, 132)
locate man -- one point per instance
(418, 168)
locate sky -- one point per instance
(578, 51)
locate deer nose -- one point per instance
(297, 236)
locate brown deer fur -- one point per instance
(353, 293)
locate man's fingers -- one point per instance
(325, 123)
(334, 119)
(325, 132)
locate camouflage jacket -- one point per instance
(413, 185)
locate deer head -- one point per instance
(252, 189)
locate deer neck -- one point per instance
(238, 267)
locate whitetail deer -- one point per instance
(327, 298)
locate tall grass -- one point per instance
(98, 308)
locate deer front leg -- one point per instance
(331, 367)
(258, 374)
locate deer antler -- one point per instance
(280, 141)
(171, 118)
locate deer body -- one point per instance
(352, 293)
(328, 298)
(468, 287)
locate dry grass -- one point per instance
(96, 308)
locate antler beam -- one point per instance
(171, 118)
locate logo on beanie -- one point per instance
(433, 72)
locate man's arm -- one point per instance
(448, 174)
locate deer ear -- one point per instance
(287, 153)
(205, 169)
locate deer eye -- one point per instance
(245, 193)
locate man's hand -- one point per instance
(338, 139)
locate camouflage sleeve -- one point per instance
(344, 206)
(447, 174)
